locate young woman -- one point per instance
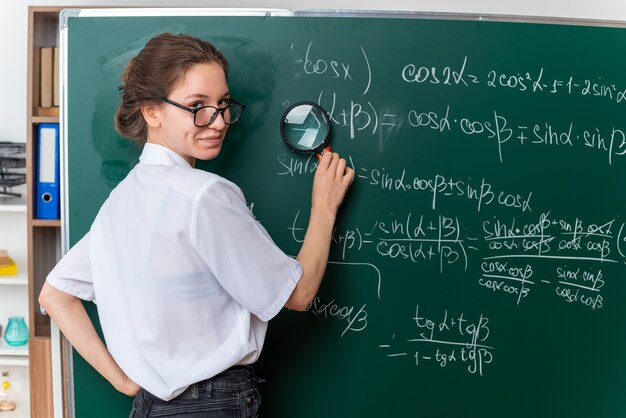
(184, 278)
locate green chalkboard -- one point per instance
(477, 268)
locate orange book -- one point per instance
(55, 77)
(45, 85)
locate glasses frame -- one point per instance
(197, 109)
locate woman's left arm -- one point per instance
(70, 315)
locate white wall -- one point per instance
(14, 299)
(13, 30)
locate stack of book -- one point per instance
(12, 157)
(7, 265)
(49, 81)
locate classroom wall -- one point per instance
(13, 30)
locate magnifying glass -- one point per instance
(305, 127)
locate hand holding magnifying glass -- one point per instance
(305, 126)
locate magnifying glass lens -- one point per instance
(305, 127)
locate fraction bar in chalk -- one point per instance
(518, 237)
(468, 344)
(581, 286)
(556, 257)
(420, 240)
(494, 276)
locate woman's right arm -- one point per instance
(332, 179)
(69, 314)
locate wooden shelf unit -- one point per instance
(45, 119)
(44, 236)
(47, 223)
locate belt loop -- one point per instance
(209, 388)
(256, 379)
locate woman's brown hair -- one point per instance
(150, 75)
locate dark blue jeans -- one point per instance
(230, 394)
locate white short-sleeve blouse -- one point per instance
(184, 277)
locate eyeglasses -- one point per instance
(206, 115)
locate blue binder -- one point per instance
(47, 186)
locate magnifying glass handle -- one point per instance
(320, 153)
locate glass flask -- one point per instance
(6, 404)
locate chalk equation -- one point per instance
(413, 238)
(451, 340)
(525, 252)
(506, 253)
(516, 248)
(438, 187)
(365, 116)
(311, 60)
(354, 318)
(499, 128)
(534, 80)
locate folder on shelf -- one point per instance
(47, 186)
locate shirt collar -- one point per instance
(155, 154)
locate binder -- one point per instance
(47, 186)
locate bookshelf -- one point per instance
(10, 204)
(45, 119)
(17, 280)
(44, 236)
(14, 295)
(13, 356)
